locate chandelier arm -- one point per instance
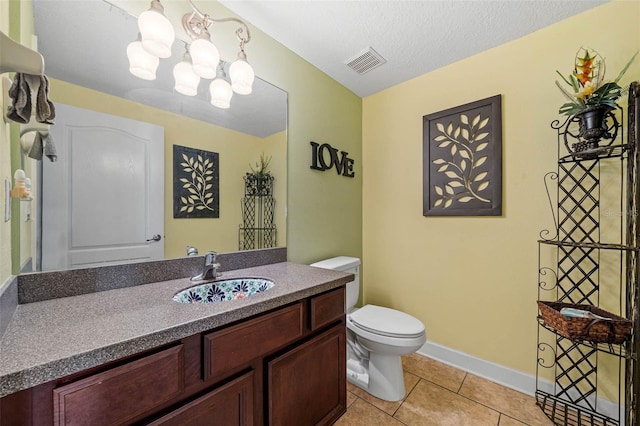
(208, 21)
(243, 28)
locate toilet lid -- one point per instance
(387, 322)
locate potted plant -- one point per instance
(258, 181)
(591, 97)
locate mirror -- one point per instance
(84, 45)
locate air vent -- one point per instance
(365, 61)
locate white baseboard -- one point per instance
(505, 376)
(496, 373)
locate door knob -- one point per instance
(155, 238)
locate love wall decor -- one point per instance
(462, 160)
(325, 157)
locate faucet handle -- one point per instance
(210, 270)
(210, 258)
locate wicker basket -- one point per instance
(613, 330)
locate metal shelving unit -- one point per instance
(591, 257)
(258, 229)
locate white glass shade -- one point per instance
(142, 64)
(157, 32)
(205, 58)
(221, 93)
(242, 76)
(186, 80)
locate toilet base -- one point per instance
(386, 380)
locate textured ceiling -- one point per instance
(415, 37)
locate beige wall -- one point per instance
(473, 280)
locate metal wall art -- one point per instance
(196, 184)
(462, 160)
(342, 163)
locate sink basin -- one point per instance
(222, 291)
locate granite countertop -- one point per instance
(54, 338)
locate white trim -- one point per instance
(505, 376)
(496, 373)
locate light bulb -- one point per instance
(142, 64)
(204, 57)
(221, 93)
(186, 80)
(241, 75)
(156, 30)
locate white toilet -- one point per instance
(376, 338)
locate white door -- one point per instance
(103, 200)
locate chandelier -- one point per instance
(201, 58)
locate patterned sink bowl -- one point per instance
(222, 291)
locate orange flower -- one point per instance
(585, 70)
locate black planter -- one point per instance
(593, 125)
(258, 185)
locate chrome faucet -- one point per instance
(210, 270)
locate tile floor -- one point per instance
(440, 395)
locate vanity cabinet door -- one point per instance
(307, 385)
(232, 348)
(228, 405)
(120, 394)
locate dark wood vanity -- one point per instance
(286, 366)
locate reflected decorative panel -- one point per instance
(196, 183)
(462, 160)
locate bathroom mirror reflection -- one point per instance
(84, 45)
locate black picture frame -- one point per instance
(196, 183)
(462, 160)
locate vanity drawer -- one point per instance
(229, 405)
(327, 308)
(122, 393)
(235, 346)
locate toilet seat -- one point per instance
(387, 322)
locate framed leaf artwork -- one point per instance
(462, 160)
(196, 184)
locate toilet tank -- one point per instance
(345, 264)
